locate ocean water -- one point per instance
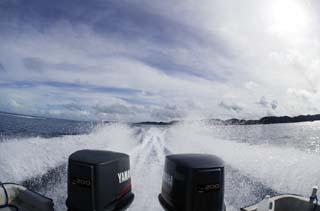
(19, 126)
(260, 159)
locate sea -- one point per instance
(259, 159)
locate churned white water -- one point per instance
(253, 169)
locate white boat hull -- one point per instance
(286, 202)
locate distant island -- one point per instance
(263, 120)
(233, 121)
(268, 120)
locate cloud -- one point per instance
(301, 93)
(114, 109)
(267, 104)
(2, 68)
(274, 104)
(33, 64)
(167, 113)
(251, 85)
(263, 102)
(73, 107)
(154, 60)
(231, 106)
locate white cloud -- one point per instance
(263, 102)
(232, 107)
(219, 58)
(251, 85)
(274, 104)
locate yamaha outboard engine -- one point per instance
(99, 181)
(193, 182)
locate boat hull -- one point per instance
(13, 196)
(286, 202)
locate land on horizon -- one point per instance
(232, 121)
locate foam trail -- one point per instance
(284, 169)
(20, 160)
(147, 165)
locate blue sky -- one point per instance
(163, 60)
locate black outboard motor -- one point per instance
(193, 182)
(99, 181)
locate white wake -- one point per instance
(283, 169)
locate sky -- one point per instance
(163, 60)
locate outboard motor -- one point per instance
(193, 182)
(99, 181)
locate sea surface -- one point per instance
(259, 159)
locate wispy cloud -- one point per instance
(2, 69)
(231, 106)
(136, 60)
